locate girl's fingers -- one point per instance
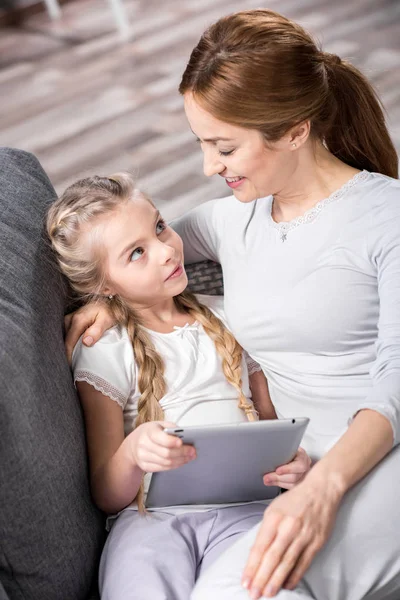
(283, 480)
(160, 463)
(158, 436)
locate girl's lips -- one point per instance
(177, 272)
(235, 184)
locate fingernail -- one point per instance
(269, 591)
(246, 583)
(255, 594)
(88, 341)
(266, 480)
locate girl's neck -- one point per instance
(317, 175)
(163, 317)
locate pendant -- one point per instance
(283, 236)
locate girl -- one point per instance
(166, 355)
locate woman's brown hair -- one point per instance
(259, 70)
(82, 263)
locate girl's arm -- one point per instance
(260, 396)
(285, 476)
(117, 464)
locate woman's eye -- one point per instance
(161, 226)
(136, 254)
(226, 153)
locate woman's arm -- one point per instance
(296, 525)
(200, 230)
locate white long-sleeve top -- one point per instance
(316, 302)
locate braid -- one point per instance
(227, 347)
(151, 380)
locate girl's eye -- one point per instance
(161, 226)
(225, 153)
(136, 254)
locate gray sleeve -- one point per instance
(200, 232)
(384, 396)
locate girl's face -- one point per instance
(250, 168)
(144, 257)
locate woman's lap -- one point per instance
(361, 560)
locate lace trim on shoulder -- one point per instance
(310, 215)
(101, 385)
(252, 365)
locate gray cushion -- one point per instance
(51, 534)
(205, 278)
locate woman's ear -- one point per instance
(299, 134)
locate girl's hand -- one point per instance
(154, 450)
(287, 476)
(295, 527)
(92, 320)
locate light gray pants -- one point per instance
(159, 556)
(361, 560)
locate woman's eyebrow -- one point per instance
(132, 244)
(213, 139)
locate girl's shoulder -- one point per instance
(108, 365)
(113, 346)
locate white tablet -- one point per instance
(230, 464)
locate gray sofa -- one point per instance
(51, 534)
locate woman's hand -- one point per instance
(287, 476)
(92, 320)
(294, 528)
(154, 450)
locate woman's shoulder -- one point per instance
(214, 303)
(383, 191)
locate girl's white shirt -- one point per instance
(197, 391)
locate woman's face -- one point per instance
(250, 168)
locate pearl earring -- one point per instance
(110, 297)
(294, 144)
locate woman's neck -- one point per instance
(317, 175)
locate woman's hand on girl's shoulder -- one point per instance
(92, 320)
(154, 450)
(287, 476)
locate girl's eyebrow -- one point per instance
(132, 244)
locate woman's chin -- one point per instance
(245, 196)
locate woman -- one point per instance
(311, 261)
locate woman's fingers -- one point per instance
(274, 555)
(91, 321)
(265, 537)
(301, 567)
(289, 561)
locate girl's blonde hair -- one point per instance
(260, 70)
(83, 265)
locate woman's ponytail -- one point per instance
(357, 134)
